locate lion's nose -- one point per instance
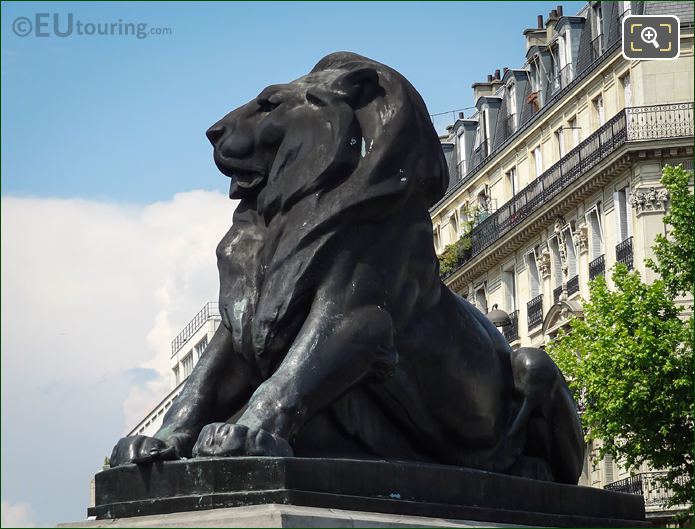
(214, 133)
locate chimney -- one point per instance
(489, 78)
(559, 11)
(497, 74)
(461, 115)
(539, 22)
(505, 70)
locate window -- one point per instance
(435, 236)
(200, 347)
(481, 299)
(453, 226)
(599, 115)
(177, 375)
(461, 154)
(623, 215)
(627, 90)
(598, 26)
(560, 142)
(574, 130)
(534, 278)
(187, 364)
(511, 105)
(537, 161)
(509, 282)
(595, 235)
(511, 181)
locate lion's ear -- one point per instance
(359, 87)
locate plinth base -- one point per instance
(393, 488)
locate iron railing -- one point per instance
(557, 292)
(209, 310)
(461, 169)
(659, 121)
(562, 78)
(623, 253)
(656, 122)
(534, 312)
(480, 152)
(572, 285)
(596, 47)
(647, 484)
(511, 331)
(597, 267)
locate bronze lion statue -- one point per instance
(338, 338)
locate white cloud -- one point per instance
(17, 515)
(92, 295)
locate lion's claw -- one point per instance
(223, 439)
(141, 449)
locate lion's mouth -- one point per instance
(244, 178)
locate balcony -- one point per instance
(534, 312)
(209, 311)
(623, 253)
(557, 292)
(511, 331)
(647, 484)
(629, 125)
(572, 285)
(597, 267)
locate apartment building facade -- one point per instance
(555, 176)
(186, 349)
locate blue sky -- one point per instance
(121, 118)
(112, 206)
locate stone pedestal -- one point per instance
(452, 495)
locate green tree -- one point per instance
(629, 362)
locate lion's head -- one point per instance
(351, 124)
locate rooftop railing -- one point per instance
(210, 310)
(628, 125)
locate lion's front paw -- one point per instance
(223, 439)
(140, 449)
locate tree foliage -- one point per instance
(458, 252)
(629, 362)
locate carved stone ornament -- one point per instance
(581, 239)
(543, 263)
(650, 200)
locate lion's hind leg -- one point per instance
(546, 429)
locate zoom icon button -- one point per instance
(651, 37)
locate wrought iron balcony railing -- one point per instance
(210, 310)
(557, 292)
(534, 312)
(647, 484)
(572, 285)
(623, 253)
(511, 331)
(629, 125)
(597, 267)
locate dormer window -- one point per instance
(511, 105)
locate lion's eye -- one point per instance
(266, 105)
